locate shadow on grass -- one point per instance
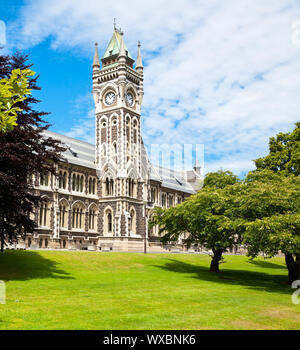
(26, 265)
(267, 264)
(251, 279)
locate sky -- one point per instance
(222, 74)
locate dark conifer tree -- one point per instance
(23, 152)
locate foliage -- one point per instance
(284, 153)
(271, 206)
(13, 90)
(205, 219)
(220, 179)
(24, 151)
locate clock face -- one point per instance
(129, 99)
(110, 98)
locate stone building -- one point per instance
(105, 193)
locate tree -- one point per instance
(284, 155)
(220, 179)
(206, 218)
(24, 151)
(270, 204)
(12, 90)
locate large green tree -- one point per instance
(24, 151)
(284, 153)
(205, 219)
(270, 206)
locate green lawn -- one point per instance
(89, 290)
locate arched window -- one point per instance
(44, 179)
(170, 200)
(109, 187)
(92, 186)
(62, 179)
(128, 151)
(108, 222)
(65, 180)
(81, 183)
(163, 200)
(73, 182)
(131, 185)
(93, 217)
(153, 195)
(78, 212)
(132, 222)
(44, 217)
(77, 183)
(63, 214)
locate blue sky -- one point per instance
(225, 74)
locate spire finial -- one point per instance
(96, 64)
(115, 24)
(139, 64)
(122, 52)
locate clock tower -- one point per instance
(122, 179)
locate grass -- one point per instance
(89, 290)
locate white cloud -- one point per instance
(222, 73)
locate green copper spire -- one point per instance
(114, 45)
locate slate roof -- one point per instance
(83, 154)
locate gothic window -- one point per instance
(44, 215)
(127, 151)
(92, 217)
(44, 179)
(115, 152)
(131, 187)
(73, 182)
(78, 212)
(170, 200)
(63, 215)
(109, 186)
(132, 221)
(135, 131)
(153, 195)
(62, 179)
(77, 183)
(128, 128)
(92, 185)
(163, 200)
(108, 222)
(179, 199)
(81, 183)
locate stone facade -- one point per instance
(104, 194)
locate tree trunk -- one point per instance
(214, 265)
(2, 244)
(293, 266)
